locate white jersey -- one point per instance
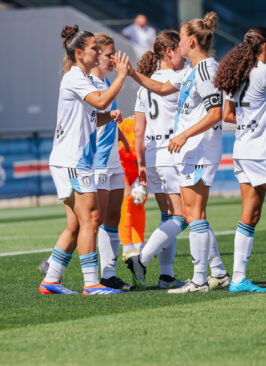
(74, 143)
(107, 155)
(250, 102)
(197, 96)
(160, 115)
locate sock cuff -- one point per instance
(164, 216)
(245, 229)
(180, 220)
(89, 260)
(109, 229)
(60, 256)
(199, 226)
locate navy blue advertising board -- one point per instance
(24, 169)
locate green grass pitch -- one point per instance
(146, 328)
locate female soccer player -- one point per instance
(155, 121)
(109, 174)
(242, 75)
(198, 143)
(71, 159)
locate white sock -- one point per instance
(215, 260)
(57, 265)
(108, 243)
(139, 246)
(89, 267)
(162, 237)
(199, 249)
(243, 246)
(127, 247)
(166, 260)
(49, 259)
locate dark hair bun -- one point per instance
(68, 32)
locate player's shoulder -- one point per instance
(206, 69)
(163, 75)
(259, 71)
(74, 75)
(141, 92)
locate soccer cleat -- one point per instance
(245, 286)
(138, 270)
(52, 288)
(166, 282)
(219, 282)
(43, 268)
(129, 253)
(190, 287)
(99, 290)
(116, 283)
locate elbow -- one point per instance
(101, 106)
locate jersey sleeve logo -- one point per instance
(212, 101)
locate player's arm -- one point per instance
(229, 114)
(140, 127)
(103, 118)
(103, 100)
(213, 116)
(122, 138)
(153, 85)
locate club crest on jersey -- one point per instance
(86, 181)
(102, 178)
(188, 84)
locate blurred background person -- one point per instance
(140, 32)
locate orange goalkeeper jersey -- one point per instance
(129, 161)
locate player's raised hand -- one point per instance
(177, 142)
(121, 63)
(116, 115)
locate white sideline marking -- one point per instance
(217, 233)
(28, 237)
(27, 252)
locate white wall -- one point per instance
(31, 54)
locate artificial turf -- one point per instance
(139, 328)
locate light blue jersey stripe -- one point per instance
(184, 93)
(106, 141)
(86, 160)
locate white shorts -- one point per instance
(163, 179)
(190, 174)
(67, 179)
(250, 171)
(110, 178)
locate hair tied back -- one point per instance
(69, 32)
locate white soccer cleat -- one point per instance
(189, 287)
(219, 282)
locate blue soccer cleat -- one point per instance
(99, 290)
(51, 288)
(245, 286)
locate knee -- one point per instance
(251, 220)
(91, 221)
(73, 230)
